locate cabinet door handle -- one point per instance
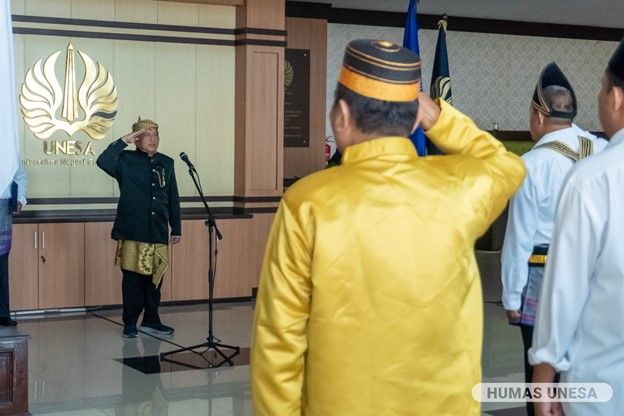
(43, 239)
(35, 238)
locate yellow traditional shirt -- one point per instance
(370, 298)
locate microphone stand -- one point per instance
(212, 343)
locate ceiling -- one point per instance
(600, 13)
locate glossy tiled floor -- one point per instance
(73, 367)
(75, 362)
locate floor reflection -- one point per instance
(79, 365)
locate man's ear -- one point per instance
(541, 118)
(343, 118)
(415, 126)
(618, 98)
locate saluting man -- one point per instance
(578, 327)
(148, 206)
(370, 297)
(558, 145)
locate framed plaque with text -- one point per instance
(297, 98)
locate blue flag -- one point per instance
(410, 41)
(440, 76)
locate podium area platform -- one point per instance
(13, 372)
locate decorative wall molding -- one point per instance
(145, 32)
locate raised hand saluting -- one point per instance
(132, 137)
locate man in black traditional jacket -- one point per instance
(148, 205)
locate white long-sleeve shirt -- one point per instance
(22, 182)
(578, 329)
(532, 209)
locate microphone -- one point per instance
(186, 160)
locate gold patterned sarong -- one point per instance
(143, 258)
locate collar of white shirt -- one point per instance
(569, 135)
(617, 138)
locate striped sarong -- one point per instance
(530, 297)
(5, 227)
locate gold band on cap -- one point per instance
(378, 89)
(144, 124)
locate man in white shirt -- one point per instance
(578, 329)
(12, 200)
(559, 144)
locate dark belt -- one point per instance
(539, 255)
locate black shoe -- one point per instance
(157, 329)
(130, 331)
(6, 321)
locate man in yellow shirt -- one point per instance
(370, 298)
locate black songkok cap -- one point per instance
(381, 70)
(552, 75)
(616, 63)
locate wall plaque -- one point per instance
(297, 98)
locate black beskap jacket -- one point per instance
(149, 202)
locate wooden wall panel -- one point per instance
(310, 34)
(79, 265)
(61, 265)
(166, 290)
(261, 228)
(190, 262)
(240, 257)
(102, 277)
(265, 14)
(234, 252)
(238, 261)
(259, 134)
(23, 268)
(265, 120)
(240, 129)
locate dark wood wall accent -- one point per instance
(259, 102)
(310, 34)
(13, 372)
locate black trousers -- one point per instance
(139, 293)
(527, 340)
(5, 311)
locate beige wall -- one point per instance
(187, 88)
(492, 75)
